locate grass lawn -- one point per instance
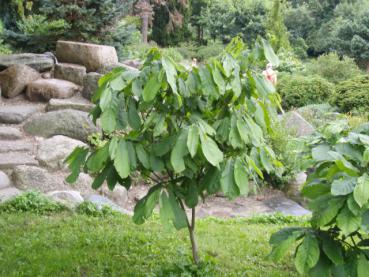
(78, 245)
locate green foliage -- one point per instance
(4, 49)
(114, 246)
(90, 209)
(338, 190)
(32, 202)
(171, 125)
(352, 95)
(333, 68)
(276, 29)
(299, 90)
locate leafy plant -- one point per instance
(192, 132)
(90, 209)
(299, 90)
(352, 94)
(336, 243)
(32, 202)
(334, 69)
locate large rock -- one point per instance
(69, 198)
(11, 160)
(45, 89)
(14, 80)
(52, 152)
(70, 72)
(109, 67)
(39, 62)
(296, 124)
(7, 146)
(35, 178)
(92, 56)
(74, 104)
(16, 114)
(90, 84)
(8, 193)
(4, 180)
(101, 201)
(9, 133)
(70, 123)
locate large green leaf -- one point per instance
(108, 120)
(320, 153)
(282, 242)
(210, 150)
(228, 182)
(142, 156)
(179, 218)
(171, 72)
(98, 159)
(133, 116)
(151, 88)
(270, 54)
(333, 250)
(219, 80)
(362, 266)
(326, 210)
(241, 177)
(121, 161)
(207, 82)
(307, 254)
(211, 180)
(146, 205)
(179, 151)
(75, 161)
(192, 196)
(361, 192)
(193, 140)
(348, 222)
(343, 186)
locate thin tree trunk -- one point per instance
(145, 27)
(191, 229)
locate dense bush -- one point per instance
(336, 244)
(298, 90)
(352, 94)
(334, 69)
(4, 49)
(32, 202)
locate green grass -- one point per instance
(70, 244)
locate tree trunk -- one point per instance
(145, 27)
(191, 229)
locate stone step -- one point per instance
(73, 103)
(13, 159)
(16, 114)
(16, 146)
(9, 133)
(8, 193)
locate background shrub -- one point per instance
(352, 95)
(298, 90)
(33, 202)
(334, 69)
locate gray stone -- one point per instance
(16, 114)
(70, 123)
(14, 79)
(295, 123)
(90, 84)
(70, 72)
(296, 184)
(39, 62)
(11, 160)
(35, 178)
(16, 146)
(69, 198)
(101, 201)
(74, 104)
(133, 63)
(45, 89)
(286, 206)
(52, 152)
(9, 133)
(8, 193)
(4, 180)
(92, 56)
(46, 75)
(109, 67)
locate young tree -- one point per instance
(337, 242)
(192, 132)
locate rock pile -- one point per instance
(43, 117)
